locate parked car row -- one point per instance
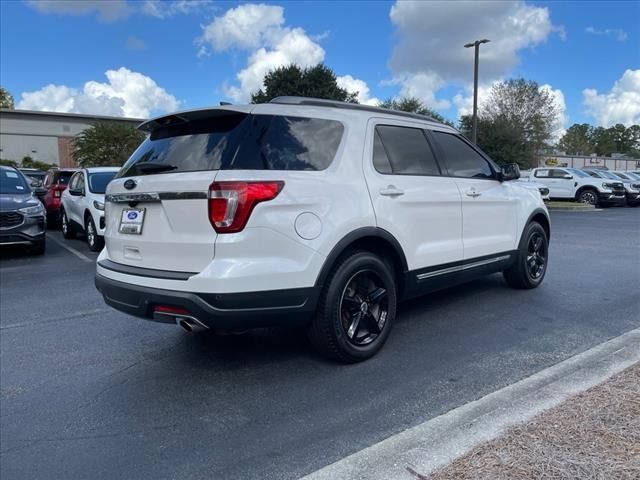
(72, 198)
(602, 188)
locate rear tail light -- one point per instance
(231, 203)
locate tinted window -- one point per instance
(559, 173)
(407, 150)
(98, 181)
(462, 160)
(64, 177)
(12, 183)
(239, 142)
(380, 159)
(287, 143)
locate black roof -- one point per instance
(319, 102)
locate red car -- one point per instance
(55, 182)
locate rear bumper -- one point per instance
(226, 311)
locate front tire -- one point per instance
(357, 309)
(95, 241)
(68, 231)
(530, 265)
(589, 197)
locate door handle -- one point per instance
(472, 193)
(391, 191)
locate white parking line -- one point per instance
(78, 254)
(437, 442)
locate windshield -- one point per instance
(578, 173)
(622, 176)
(98, 181)
(632, 176)
(608, 175)
(64, 178)
(12, 183)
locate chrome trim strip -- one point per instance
(154, 196)
(459, 268)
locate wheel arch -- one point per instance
(541, 217)
(585, 187)
(373, 239)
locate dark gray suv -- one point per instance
(22, 215)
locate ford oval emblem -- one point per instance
(130, 184)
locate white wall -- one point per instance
(14, 147)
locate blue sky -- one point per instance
(139, 58)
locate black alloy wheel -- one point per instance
(364, 308)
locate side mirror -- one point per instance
(36, 183)
(76, 192)
(511, 171)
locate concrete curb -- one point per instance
(437, 442)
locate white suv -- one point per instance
(309, 212)
(82, 209)
(574, 184)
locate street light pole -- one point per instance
(476, 45)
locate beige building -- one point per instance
(45, 136)
(576, 161)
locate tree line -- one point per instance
(516, 123)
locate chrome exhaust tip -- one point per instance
(191, 325)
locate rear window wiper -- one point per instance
(151, 167)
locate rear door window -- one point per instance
(403, 150)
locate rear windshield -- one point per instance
(98, 181)
(64, 177)
(238, 142)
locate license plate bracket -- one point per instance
(131, 221)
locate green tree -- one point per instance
(6, 99)
(29, 162)
(317, 82)
(526, 106)
(578, 140)
(106, 143)
(500, 139)
(413, 105)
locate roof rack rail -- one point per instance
(320, 102)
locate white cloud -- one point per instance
(620, 105)
(166, 9)
(352, 85)
(430, 53)
(245, 27)
(261, 30)
(619, 34)
(108, 11)
(127, 93)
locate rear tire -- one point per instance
(68, 231)
(357, 308)
(530, 266)
(95, 241)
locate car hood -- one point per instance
(12, 201)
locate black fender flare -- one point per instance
(355, 235)
(535, 213)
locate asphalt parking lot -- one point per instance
(88, 392)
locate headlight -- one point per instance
(98, 205)
(636, 186)
(36, 209)
(609, 186)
